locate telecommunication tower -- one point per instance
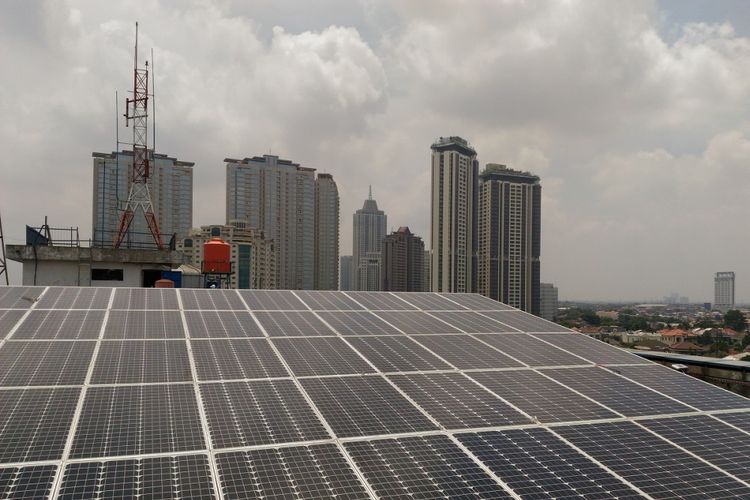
(139, 198)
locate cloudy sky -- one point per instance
(634, 114)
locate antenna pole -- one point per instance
(3, 261)
(153, 102)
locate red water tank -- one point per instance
(217, 256)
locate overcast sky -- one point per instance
(633, 113)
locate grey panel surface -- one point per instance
(380, 301)
(19, 297)
(224, 324)
(145, 298)
(60, 325)
(525, 322)
(25, 363)
(26, 483)
(302, 472)
(142, 362)
(741, 420)
(530, 350)
(144, 325)
(321, 356)
(430, 301)
(292, 324)
(327, 301)
(272, 300)
(75, 298)
(476, 302)
(358, 323)
(422, 467)
(472, 322)
(416, 322)
(236, 359)
(397, 354)
(592, 350)
(653, 465)
(8, 320)
(259, 412)
(465, 352)
(211, 299)
(456, 401)
(360, 406)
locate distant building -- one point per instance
(453, 218)
(509, 237)
(252, 257)
(171, 186)
(403, 262)
(724, 291)
(346, 273)
(548, 301)
(277, 197)
(426, 265)
(326, 233)
(369, 230)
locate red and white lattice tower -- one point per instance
(139, 198)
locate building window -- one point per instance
(106, 275)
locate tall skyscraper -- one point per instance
(509, 237)
(277, 197)
(454, 207)
(548, 301)
(326, 233)
(403, 262)
(171, 186)
(724, 291)
(426, 266)
(369, 231)
(346, 279)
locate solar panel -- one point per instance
(655, 466)
(44, 363)
(215, 299)
(416, 322)
(530, 350)
(472, 322)
(142, 362)
(75, 298)
(320, 356)
(145, 298)
(60, 325)
(236, 359)
(22, 297)
(144, 325)
(327, 301)
(524, 322)
(476, 302)
(272, 300)
(739, 420)
(397, 354)
(380, 301)
(292, 324)
(30, 482)
(8, 320)
(536, 464)
(358, 323)
(225, 324)
(319, 471)
(430, 301)
(592, 350)
(422, 467)
(259, 412)
(466, 352)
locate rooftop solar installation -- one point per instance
(164, 393)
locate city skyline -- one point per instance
(643, 155)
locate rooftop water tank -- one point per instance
(217, 257)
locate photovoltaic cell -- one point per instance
(35, 423)
(213, 324)
(708, 438)
(272, 300)
(530, 350)
(144, 325)
(303, 472)
(592, 350)
(361, 406)
(358, 323)
(180, 477)
(145, 298)
(541, 398)
(21, 483)
(21, 297)
(321, 356)
(536, 464)
(44, 363)
(138, 419)
(429, 301)
(456, 402)
(327, 301)
(422, 467)
(683, 387)
(61, 325)
(476, 302)
(465, 352)
(236, 359)
(259, 412)
(525, 322)
(75, 298)
(397, 354)
(380, 301)
(416, 322)
(741, 420)
(142, 362)
(8, 320)
(292, 324)
(211, 299)
(472, 322)
(615, 392)
(655, 466)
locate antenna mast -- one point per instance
(3, 262)
(136, 111)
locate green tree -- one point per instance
(591, 318)
(746, 341)
(735, 320)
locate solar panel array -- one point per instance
(128, 393)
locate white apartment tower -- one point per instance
(171, 186)
(326, 233)
(369, 231)
(277, 197)
(453, 220)
(724, 291)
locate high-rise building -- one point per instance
(454, 208)
(326, 233)
(369, 231)
(509, 237)
(548, 301)
(346, 279)
(277, 197)
(403, 262)
(724, 291)
(252, 256)
(426, 266)
(170, 183)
